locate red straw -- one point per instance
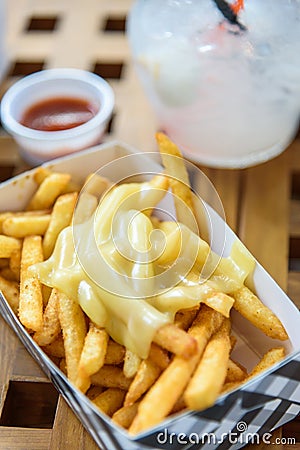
(237, 6)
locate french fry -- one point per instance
(115, 353)
(249, 305)
(48, 191)
(176, 341)
(179, 179)
(125, 415)
(8, 245)
(10, 290)
(42, 172)
(94, 391)
(7, 274)
(15, 263)
(271, 357)
(60, 218)
(74, 330)
(4, 263)
(184, 318)
(56, 348)
(92, 356)
(208, 379)
(21, 226)
(31, 299)
(165, 392)
(235, 372)
(111, 376)
(147, 374)
(110, 400)
(51, 325)
(86, 205)
(159, 356)
(63, 365)
(10, 214)
(131, 364)
(96, 185)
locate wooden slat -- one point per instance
(264, 215)
(68, 431)
(8, 344)
(295, 219)
(24, 439)
(227, 185)
(294, 287)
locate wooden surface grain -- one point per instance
(262, 204)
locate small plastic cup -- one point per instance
(37, 146)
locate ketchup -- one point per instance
(58, 113)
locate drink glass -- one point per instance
(228, 94)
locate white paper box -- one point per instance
(262, 405)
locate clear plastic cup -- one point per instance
(228, 96)
(37, 146)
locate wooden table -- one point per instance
(262, 204)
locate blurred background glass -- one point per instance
(227, 93)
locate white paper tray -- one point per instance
(264, 404)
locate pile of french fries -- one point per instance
(189, 362)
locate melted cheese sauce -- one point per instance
(131, 274)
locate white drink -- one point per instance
(227, 97)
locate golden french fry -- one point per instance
(175, 340)
(111, 376)
(179, 405)
(179, 179)
(147, 374)
(4, 263)
(10, 290)
(31, 299)
(51, 325)
(233, 341)
(15, 263)
(165, 392)
(125, 415)
(208, 379)
(184, 318)
(41, 173)
(96, 185)
(8, 245)
(131, 364)
(11, 214)
(115, 353)
(249, 305)
(92, 356)
(56, 348)
(63, 365)
(270, 358)
(94, 391)
(235, 372)
(73, 327)
(159, 356)
(110, 400)
(48, 191)
(22, 226)
(7, 273)
(86, 205)
(60, 218)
